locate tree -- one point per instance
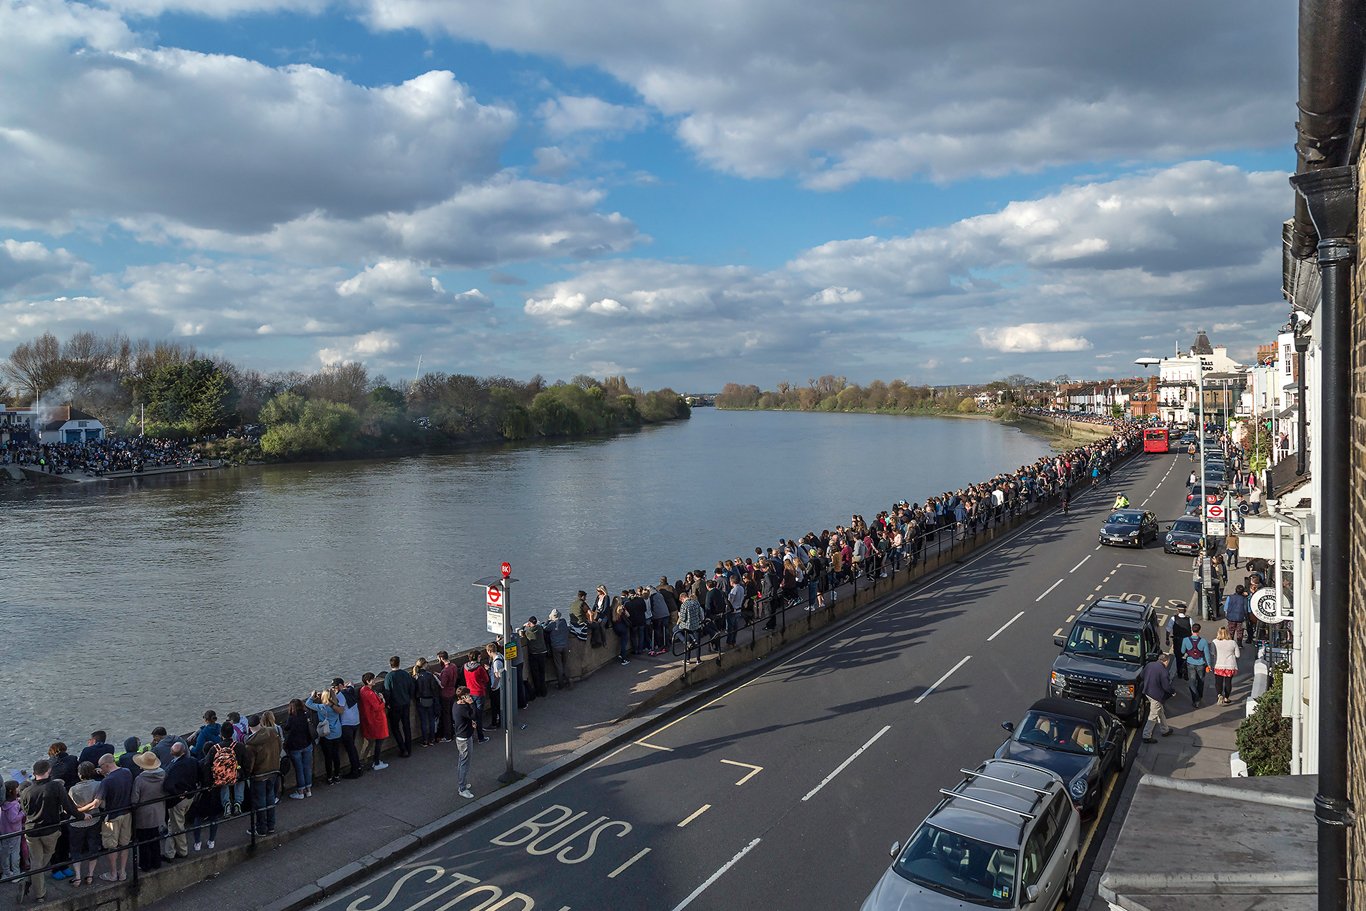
(36, 365)
(195, 396)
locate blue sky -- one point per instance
(687, 193)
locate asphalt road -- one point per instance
(787, 791)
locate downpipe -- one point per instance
(1330, 195)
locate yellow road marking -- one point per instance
(753, 770)
(695, 813)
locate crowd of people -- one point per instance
(166, 798)
(97, 458)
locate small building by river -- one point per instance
(64, 424)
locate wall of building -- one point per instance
(1357, 703)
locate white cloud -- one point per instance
(871, 90)
(95, 125)
(570, 114)
(1029, 337)
(25, 265)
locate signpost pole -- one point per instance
(509, 703)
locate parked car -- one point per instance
(1184, 535)
(1006, 836)
(1103, 657)
(1129, 527)
(1082, 743)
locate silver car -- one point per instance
(1005, 837)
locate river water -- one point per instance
(140, 603)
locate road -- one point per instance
(787, 790)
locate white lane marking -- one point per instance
(1058, 631)
(1045, 594)
(1097, 547)
(635, 857)
(753, 770)
(1078, 566)
(717, 875)
(855, 755)
(642, 743)
(1135, 565)
(921, 698)
(1003, 626)
(695, 813)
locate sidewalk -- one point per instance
(1199, 748)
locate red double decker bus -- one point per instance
(1155, 440)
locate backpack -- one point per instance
(224, 766)
(1195, 652)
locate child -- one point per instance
(11, 825)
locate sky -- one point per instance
(687, 193)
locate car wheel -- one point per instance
(1070, 884)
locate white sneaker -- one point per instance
(381, 766)
(210, 846)
(467, 793)
(297, 795)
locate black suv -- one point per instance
(1103, 657)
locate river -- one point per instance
(140, 603)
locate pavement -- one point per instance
(1202, 742)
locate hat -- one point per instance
(338, 681)
(531, 619)
(147, 761)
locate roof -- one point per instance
(58, 415)
(1069, 708)
(1201, 344)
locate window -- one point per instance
(1031, 866)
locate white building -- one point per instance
(1178, 377)
(64, 424)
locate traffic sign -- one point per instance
(494, 597)
(493, 620)
(507, 569)
(1215, 511)
(510, 651)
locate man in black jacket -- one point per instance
(399, 687)
(45, 803)
(182, 778)
(463, 721)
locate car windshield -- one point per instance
(1188, 527)
(959, 866)
(1104, 643)
(1057, 732)
(1123, 518)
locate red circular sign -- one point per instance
(1216, 511)
(495, 596)
(507, 570)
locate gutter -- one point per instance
(1330, 196)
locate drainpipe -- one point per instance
(1330, 195)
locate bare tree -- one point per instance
(36, 365)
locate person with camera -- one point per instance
(463, 726)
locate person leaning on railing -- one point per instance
(45, 805)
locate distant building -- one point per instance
(16, 424)
(64, 424)
(1178, 378)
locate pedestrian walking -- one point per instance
(1236, 613)
(1178, 628)
(463, 726)
(1198, 663)
(1231, 546)
(1225, 666)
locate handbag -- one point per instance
(324, 729)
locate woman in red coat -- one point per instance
(477, 679)
(374, 723)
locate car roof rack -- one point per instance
(986, 803)
(1014, 784)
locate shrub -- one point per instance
(1264, 737)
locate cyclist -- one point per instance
(1121, 501)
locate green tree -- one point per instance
(196, 396)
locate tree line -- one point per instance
(340, 409)
(835, 393)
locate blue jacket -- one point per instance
(328, 714)
(1235, 608)
(1199, 643)
(207, 737)
(1155, 681)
